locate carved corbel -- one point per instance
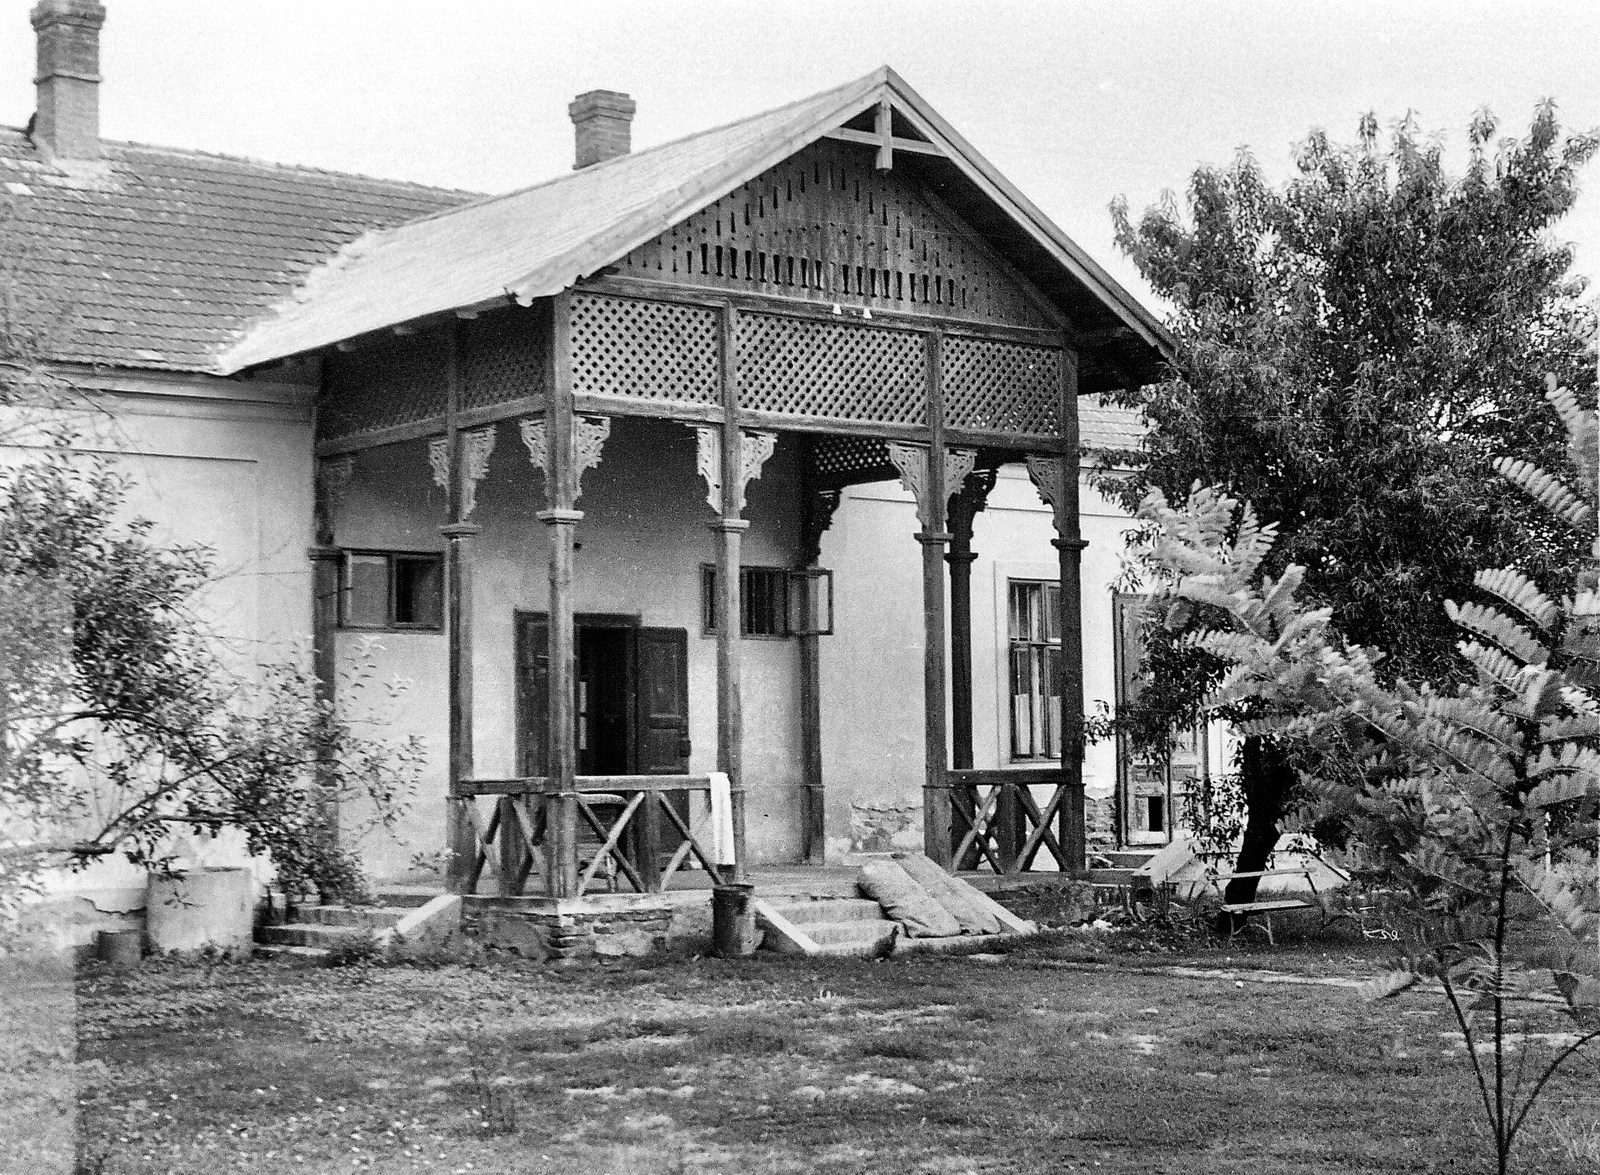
(818, 510)
(439, 461)
(754, 449)
(912, 462)
(589, 435)
(1046, 474)
(476, 446)
(971, 496)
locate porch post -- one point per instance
(330, 478)
(818, 506)
(936, 815)
(1069, 545)
(461, 842)
(561, 517)
(730, 528)
(964, 508)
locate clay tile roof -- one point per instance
(161, 260)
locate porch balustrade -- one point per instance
(632, 816)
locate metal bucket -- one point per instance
(733, 920)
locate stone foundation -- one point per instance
(604, 926)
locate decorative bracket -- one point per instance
(1046, 474)
(589, 435)
(439, 461)
(968, 501)
(754, 449)
(476, 446)
(912, 462)
(817, 516)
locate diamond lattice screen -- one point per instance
(842, 460)
(993, 386)
(388, 380)
(803, 368)
(503, 356)
(647, 350)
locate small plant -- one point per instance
(357, 950)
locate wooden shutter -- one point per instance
(533, 692)
(663, 701)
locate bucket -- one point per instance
(733, 920)
(199, 909)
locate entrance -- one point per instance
(631, 705)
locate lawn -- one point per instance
(1065, 1056)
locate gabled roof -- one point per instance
(540, 240)
(160, 258)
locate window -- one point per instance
(1035, 647)
(390, 589)
(764, 601)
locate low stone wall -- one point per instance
(605, 926)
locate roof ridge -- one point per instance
(628, 155)
(265, 164)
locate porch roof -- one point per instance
(540, 240)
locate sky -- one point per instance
(1076, 101)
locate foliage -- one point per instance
(1354, 350)
(119, 719)
(1477, 801)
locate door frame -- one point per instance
(630, 622)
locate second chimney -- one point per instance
(602, 122)
(67, 81)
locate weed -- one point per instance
(356, 951)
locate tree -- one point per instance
(120, 721)
(1354, 351)
(1476, 802)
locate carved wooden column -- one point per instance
(1056, 478)
(818, 506)
(965, 505)
(728, 467)
(459, 461)
(332, 476)
(562, 445)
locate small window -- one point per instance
(763, 601)
(389, 589)
(1035, 640)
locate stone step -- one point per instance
(1129, 858)
(857, 932)
(310, 934)
(407, 896)
(1111, 876)
(370, 917)
(294, 956)
(805, 914)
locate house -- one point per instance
(752, 455)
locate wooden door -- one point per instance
(533, 692)
(663, 736)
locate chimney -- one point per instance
(67, 122)
(602, 122)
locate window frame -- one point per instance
(1042, 645)
(709, 600)
(347, 556)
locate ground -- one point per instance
(1072, 1054)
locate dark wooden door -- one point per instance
(533, 692)
(663, 715)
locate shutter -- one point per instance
(663, 701)
(533, 692)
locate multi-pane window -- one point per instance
(763, 601)
(391, 589)
(1035, 652)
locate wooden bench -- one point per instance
(1270, 906)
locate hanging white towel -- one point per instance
(721, 819)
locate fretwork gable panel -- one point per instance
(826, 226)
(386, 381)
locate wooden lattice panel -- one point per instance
(800, 367)
(994, 386)
(837, 460)
(503, 357)
(388, 380)
(643, 349)
(826, 226)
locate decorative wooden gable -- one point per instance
(827, 226)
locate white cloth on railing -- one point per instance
(721, 797)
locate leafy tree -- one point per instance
(1354, 352)
(120, 722)
(1475, 801)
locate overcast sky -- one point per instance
(1074, 102)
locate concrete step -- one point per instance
(856, 932)
(310, 934)
(805, 914)
(1129, 858)
(294, 956)
(407, 896)
(369, 917)
(1111, 876)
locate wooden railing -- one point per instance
(633, 817)
(996, 818)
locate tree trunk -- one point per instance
(1266, 777)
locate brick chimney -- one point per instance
(67, 122)
(602, 122)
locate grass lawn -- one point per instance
(1061, 1057)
